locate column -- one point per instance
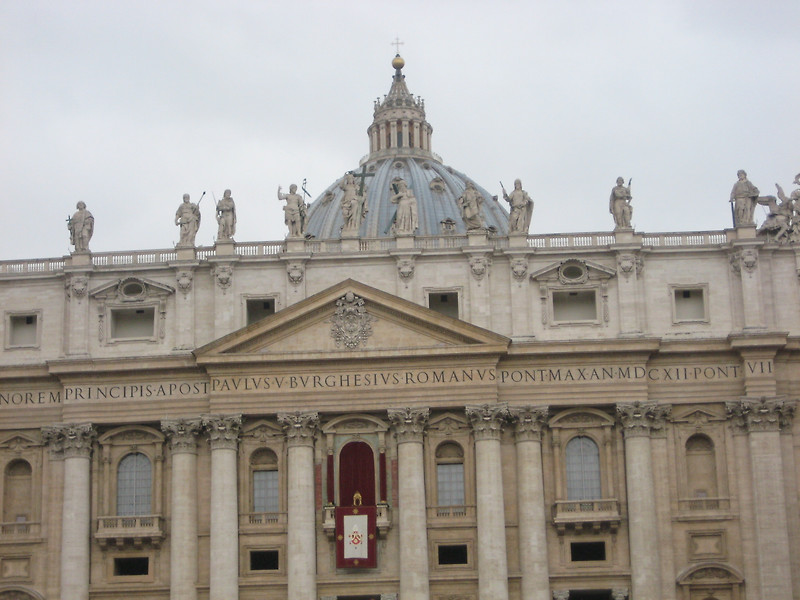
(408, 425)
(223, 435)
(487, 425)
(638, 419)
(762, 419)
(182, 434)
(301, 549)
(74, 443)
(528, 424)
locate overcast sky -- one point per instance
(127, 105)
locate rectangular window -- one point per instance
(23, 331)
(572, 306)
(444, 303)
(264, 560)
(587, 551)
(453, 555)
(450, 484)
(258, 308)
(689, 305)
(131, 566)
(133, 323)
(265, 491)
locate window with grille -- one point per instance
(266, 483)
(450, 475)
(134, 485)
(583, 469)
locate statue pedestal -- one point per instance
(517, 240)
(186, 252)
(295, 244)
(623, 235)
(80, 259)
(746, 232)
(477, 238)
(405, 242)
(224, 248)
(351, 244)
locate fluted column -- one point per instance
(528, 423)
(301, 553)
(762, 419)
(182, 434)
(638, 419)
(74, 443)
(409, 425)
(487, 425)
(223, 435)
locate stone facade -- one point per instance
(583, 416)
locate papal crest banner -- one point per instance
(355, 537)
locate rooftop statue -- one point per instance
(619, 204)
(188, 218)
(81, 228)
(783, 220)
(226, 217)
(519, 221)
(354, 207)
(471, 202)
(405, 219)
(744, 196)
(294, 211)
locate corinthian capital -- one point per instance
(487, 420)
(223, 430)
(640, 418)
(528, 422)
(182, 434)
(299, 427)
(761, 414)
(70, 440)
(408, 423)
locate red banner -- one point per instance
(356, 537)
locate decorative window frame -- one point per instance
(256, 435)
(16, 446)
(131, 293)
(9, 314)
(245, 298)
(244, 560)
(573, 275)
(677, 287)
(471, 557)
(152, 566)
(443, 428)
(457, 290)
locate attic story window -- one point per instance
(574, 306)
(133, 323)
(259, 308)
(445, 303)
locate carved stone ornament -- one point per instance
(630, 263)
(437, 185)
(519, 268)
(70, 439)
(619, 594)
(573, 272)
(408, 423)
(761, 414)
(223, 275)
(182, 434)
(710, 573)
(351, 324)
(184, 281)
(77, 286)
(405, 268)
(487, 420)
(528, 422)
(479, 266)
(560, 594)
(295, 272)
(641, 418)
(223, 430)
(746, 259)
(299, 427)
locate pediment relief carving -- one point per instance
(261, 430)
(580, 419)
(18, 443)
(711, 573)
(573, 271)
(131, 289)
(448, 424)
(127, 436)
(699, 416)
(353, 424)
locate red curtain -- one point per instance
(356, 473)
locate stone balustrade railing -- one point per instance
(695, 504)
(259, 250)
(19, 529)
(451, 512)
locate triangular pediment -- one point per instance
(351, 319)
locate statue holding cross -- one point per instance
(354, 203)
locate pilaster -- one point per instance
(744, 261)
(185, 303)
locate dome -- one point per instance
(400, 148)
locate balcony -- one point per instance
(586, 515)
(262, 522)
(18, 530)
(383, 520)
(451, 513)
(135, 530)
(704, 509)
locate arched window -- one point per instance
(450, 475)
(266, 486)
(356, 473)
(17, 489)
(583, 469)
(134, 485)
(701, 467)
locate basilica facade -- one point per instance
(410, 398)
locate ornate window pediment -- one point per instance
(574, 292)
(131, 309)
